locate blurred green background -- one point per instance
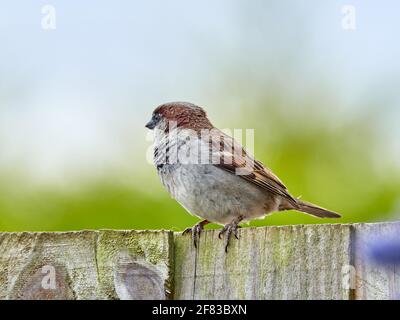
(73, 103)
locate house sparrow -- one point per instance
(212, 176)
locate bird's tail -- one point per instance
(315, 210)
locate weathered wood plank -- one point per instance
(48, 265)
(373, 281)
(135, 264)
(291, 262)
(86, 265)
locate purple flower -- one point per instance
(385, 251)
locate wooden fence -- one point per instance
(288, 262)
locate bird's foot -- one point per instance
(229, 229)
(196, 231)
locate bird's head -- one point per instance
(181, 115)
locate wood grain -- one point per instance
(374, 281)
(290, 262)
(86, 265)
(293, 262)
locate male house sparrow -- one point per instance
(212, 176)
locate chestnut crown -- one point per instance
(184, 114)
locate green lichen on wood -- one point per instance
(293, 262)
(288, 262)
(84, 263)
(123, 247)
(23, 255)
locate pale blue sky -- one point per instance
(108, 63)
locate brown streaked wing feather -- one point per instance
(266, 171)
(259, 175)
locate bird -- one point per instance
(212, 176)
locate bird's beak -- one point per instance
(151, 124)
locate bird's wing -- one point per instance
(230, 156)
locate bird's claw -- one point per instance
(229, 229)
(195, 231)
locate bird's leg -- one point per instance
(229, 229)
(196, 230)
